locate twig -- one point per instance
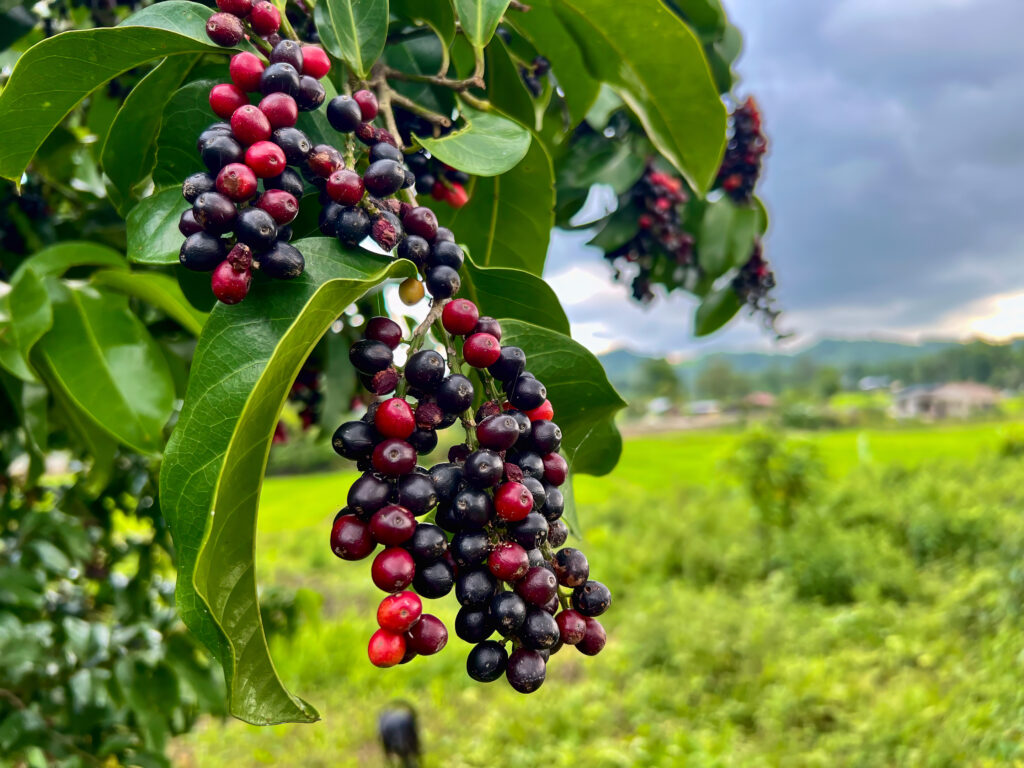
(480, 104)
(460, 86)
(406, 103)
(515, 5)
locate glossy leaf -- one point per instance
(156, 289)
(153, 235)
(187, 114)
(479, 18)
(508, 219)
(108, 365)
(437, 14)
(505, 87)
(29, 316)
(353, 30)
(242, 371)
(678, 105)
(726, 236)
(129, 151)
(421, 55)
(585, 402)
(55, 260)
(513, 293)
(487, 146)
(717, 308)
(34, 101)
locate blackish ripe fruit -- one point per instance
(487, 662)
(343, 114)
(526, 670)
(279, 78)
(427, 636)
(370, 356)
(256, 228)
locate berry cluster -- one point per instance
(249, 190)
(534, 74)
(657, 195)
(741, 165)
(754, 284)
(490, 515)
(440, 181)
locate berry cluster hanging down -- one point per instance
(741, 165)
(489, 524)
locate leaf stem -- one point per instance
(476, 81)
(480, 104)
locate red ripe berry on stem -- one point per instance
(345, 187)
(315, 62)
(394, 457)
(265, 18)
(513, 501)
(225, 29)
(422, 222)
(245, 69)
(572, 626)
(367, 104)
(594, 638)
(508, 561)
(266, 159)
(460, 317)
(537, 586)
(238, 8)
(392, 525)
(385, 330)
(489, 325)
(280, 109)
(555, 468)
(351, 538)
(481, 350)
(543, 412)
(394, 418)
(456, 196)
(249, 124)
(393, 569)
(427, 636)
(237, 181)
(386, 649)
(228, 284)
(281, 205)
(225, 98)
(398, 613)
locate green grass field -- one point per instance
(884, 627)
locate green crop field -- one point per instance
(882, 625)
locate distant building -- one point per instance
(954, 400)
(703, 408)
(871, 383)
(760, 401)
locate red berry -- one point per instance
(394, 457)
(351, 538)
(249, 124)
(324, 160)
(572, 626)
(280, 109)
(481, 350)
(593, 639)
(225, 29)
(555, 468)
(225, 98)
(367, 104)
(266, 159)
(386, 649)
(394, 418)
(383, 329)
(392, 525)
(265, 18)
(345, 187)
(398, 613)
(281, 205)
(393, 569)
(428, 635)
(513, 501)
(228, 284)
(537, 586)
(421, 221)
(238, 8)
(457, 196)
(460, 316)
(245, 69)
(543, 412)
(508, 561)
(240, 256)
(315, 62)
(237, 181)
(439, 191)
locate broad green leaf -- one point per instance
(479, 18)
(585, 402)
(505, 87)
(29, 317)
(108, 365)
(507, 221)
(421, 55)
(542, 26)
(437, 14)
(658, 68)
(129, 150)
(706, 16)
(353, 30)
(153, 235)
(29, 401)
(243, 368)
(504, 292)
(157, 290)
(726, 236)
(717, 308)
(37, 98)
(488, 145)
(55, 260)
(187, 114)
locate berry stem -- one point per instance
(258, 42)
(480, 104)
(412, 106)
(460, 86)
(287, 28)
(454, 358)
(419, 335)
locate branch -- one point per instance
(406, 103)
(459, 86)
(515, 5)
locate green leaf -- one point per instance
(108, 365)
(38, 96)
(488, 145)
(504, 292)
(726, 236)
(421, 55)
(438, 15)
(706, 16)
(479, 18)
(353, 30)
(187, 114)
(153, 235)
(677, 103)
(243, 368)
(29, 317)
(505, 87)
(717, 308)
(129, 151)
(157, 290)
(58, 259)
(508, 219)
(585, 402)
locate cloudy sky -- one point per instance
(894, 179)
